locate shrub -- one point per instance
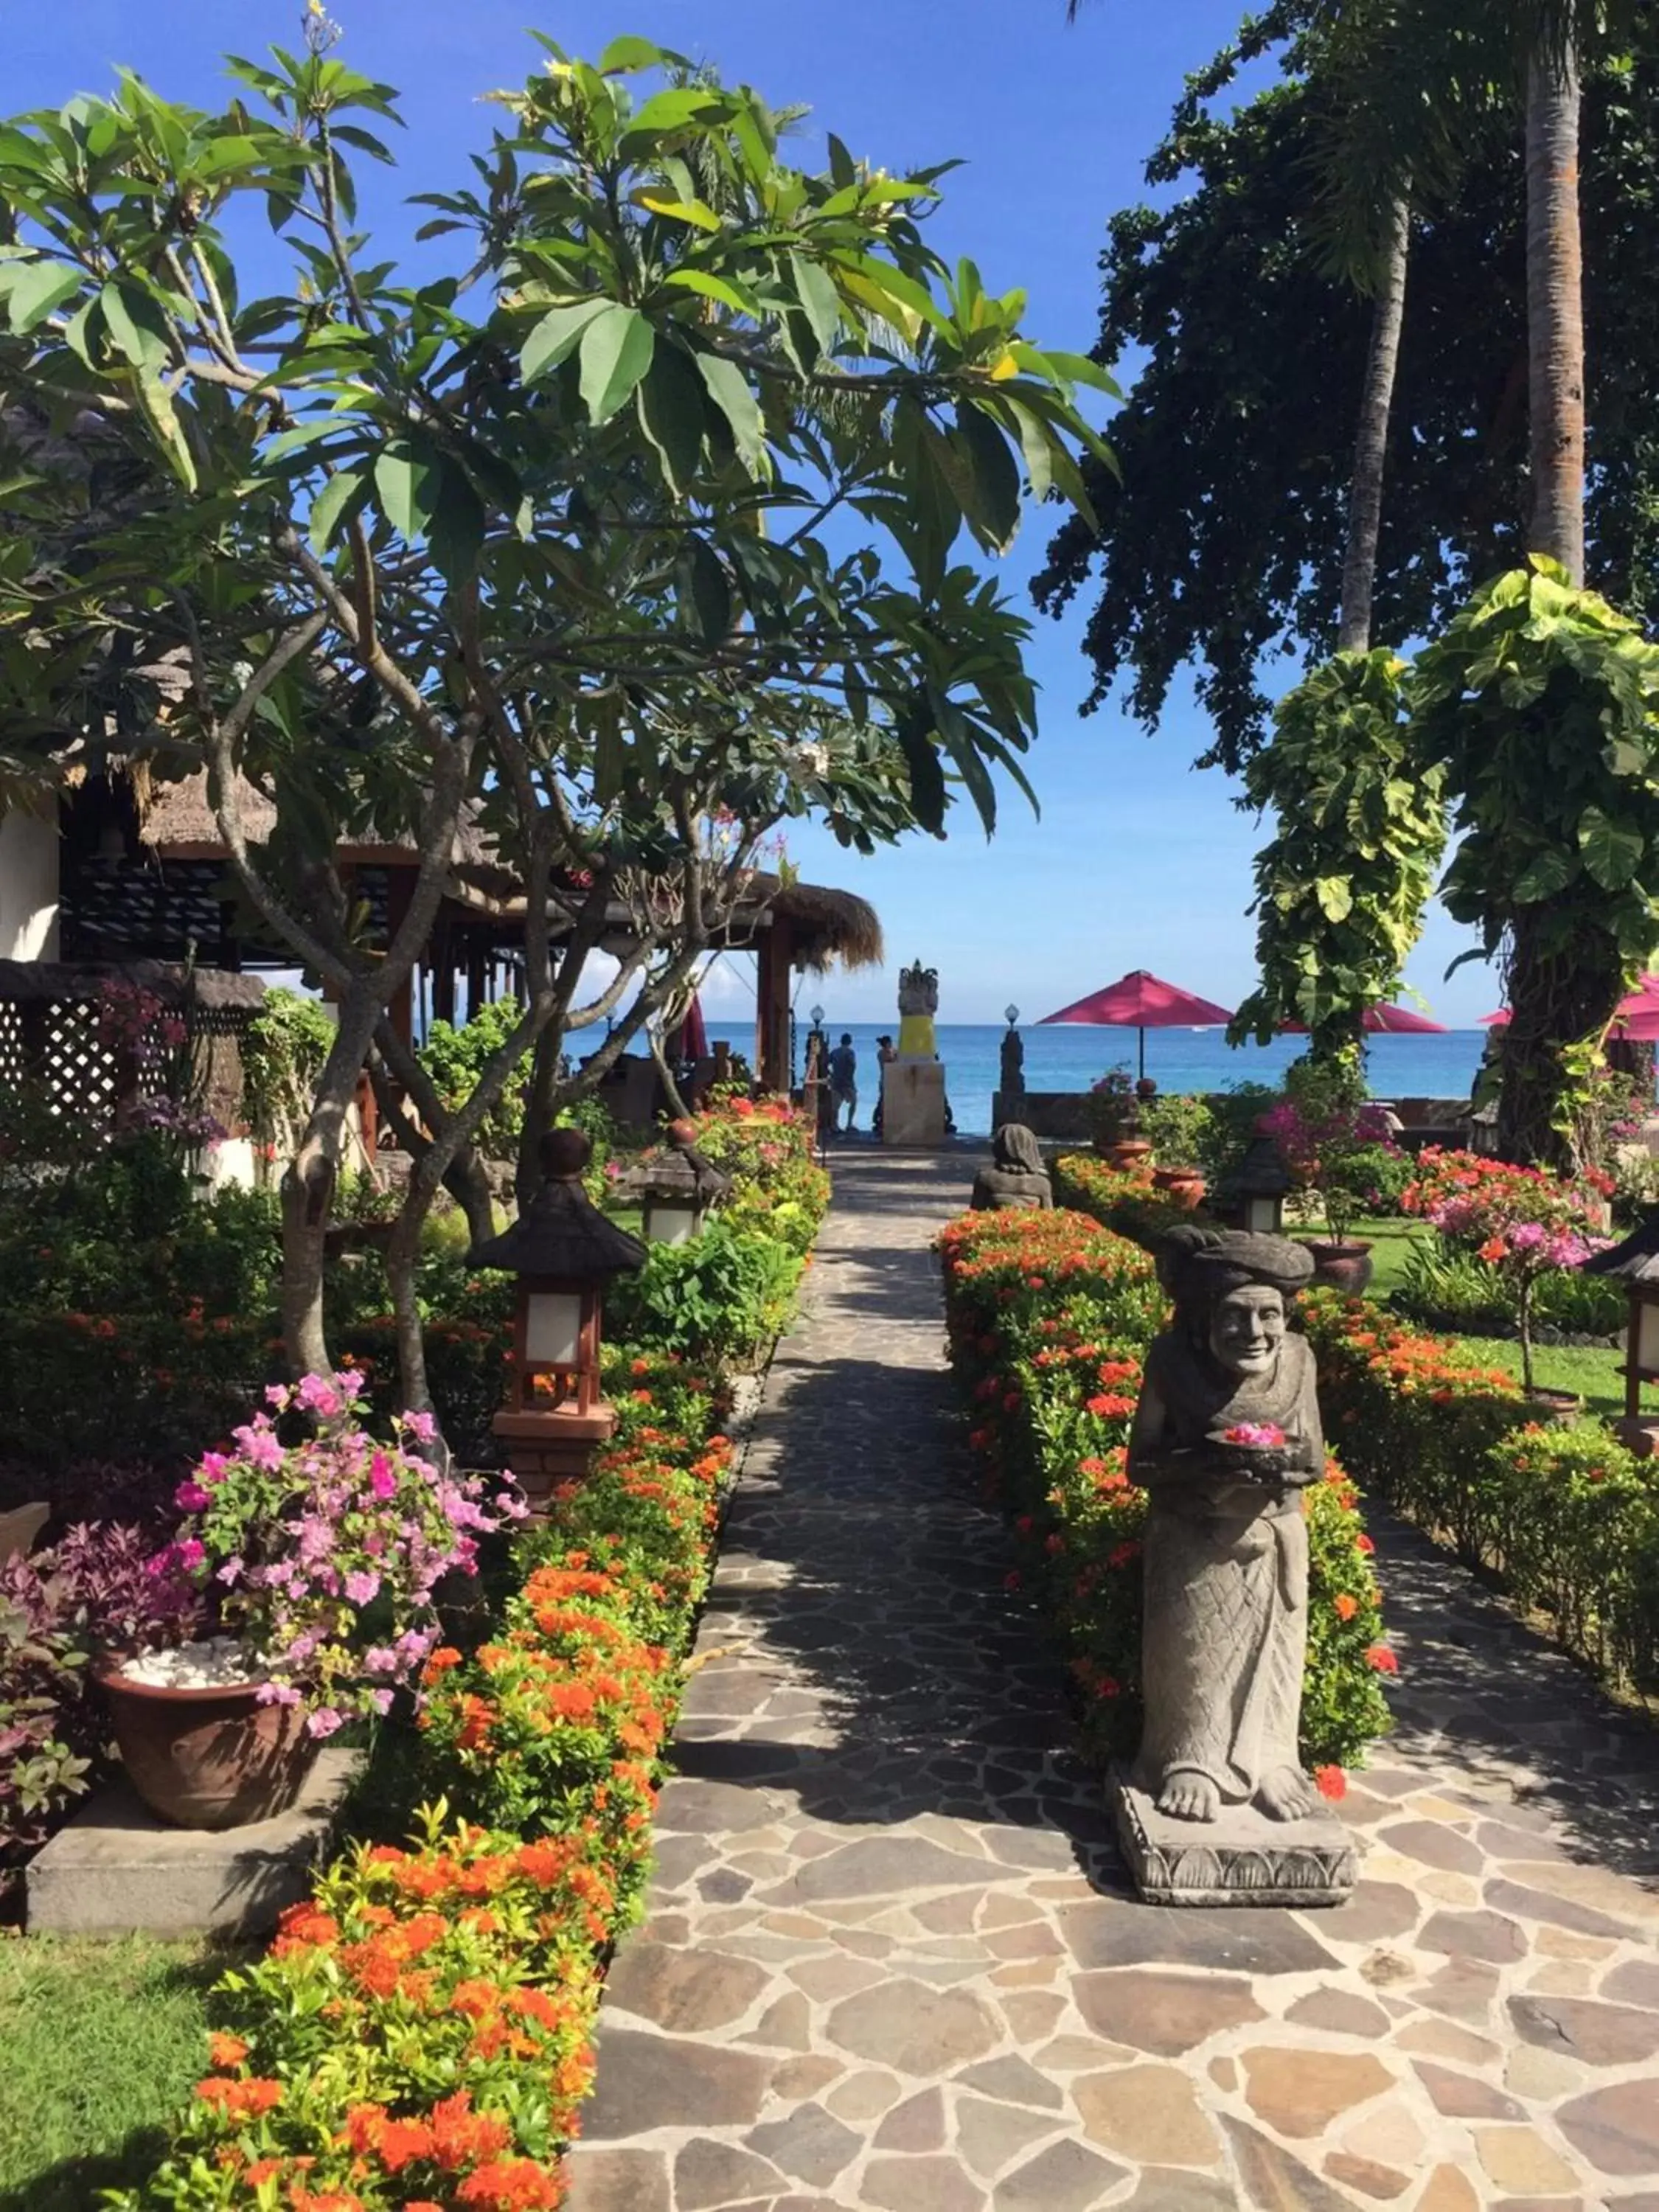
(1447, 1286)
(1181, 1126)
(1330, 1136)
(1118, 1198)
(1521, 1222)
(720, 1296)
(1050, 1317)
(326, 1553)
(102, 1588)
(1572, 1524)
(766, 1149)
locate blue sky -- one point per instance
(1137, 860)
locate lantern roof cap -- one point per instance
(677, 1169)
(1635, 1261)
(561, 1231)
(1260, 1173)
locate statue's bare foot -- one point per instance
(1187, 1794)
(1286, 1794)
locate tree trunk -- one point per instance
(539, 1094)
(1564, 985)
(677, 1105)
(1564, 989)
(1555, 310)
(1370, 446)
(308, 1184)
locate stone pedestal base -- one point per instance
(116, 1869)
(1242, 1858)
(913, 1103)
(545, 1450)
(1638, 1434)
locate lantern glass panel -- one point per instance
(1647, 1336)
(669, 1223)
(553, 1328)
(1261, 1216)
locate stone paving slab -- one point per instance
(892, 1959)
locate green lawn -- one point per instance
(100, 2044)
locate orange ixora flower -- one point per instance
(1344, 1606)
(225, 2051)
(1331, 1782)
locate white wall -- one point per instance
(28, 886)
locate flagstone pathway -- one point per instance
(891, 1960)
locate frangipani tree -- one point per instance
(542, 538)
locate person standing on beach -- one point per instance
(844, 1080)
(886, 1052)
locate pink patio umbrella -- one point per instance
(1636, 1018)
(1141, 1001)
(1382, 1021)
(689, 1040)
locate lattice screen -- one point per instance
(12, 1057)
(79, 1070)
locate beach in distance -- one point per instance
(1068, 1058)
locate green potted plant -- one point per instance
(1328, 1134)
(1178, 1124)
(1114, 1120)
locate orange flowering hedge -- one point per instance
(1129, 1202)
(417, 2039)
(1049, 1317)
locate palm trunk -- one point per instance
(1558, 998)
(1370, 446)
(1555, 310)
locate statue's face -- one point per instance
(1247, 1328)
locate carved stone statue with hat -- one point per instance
(1225, 1438)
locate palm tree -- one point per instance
(1376, 268)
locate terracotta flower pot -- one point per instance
(1347, 1268)
(1184, 1185)
(1556, 1409)
(209, 1757)
(1129, 1152)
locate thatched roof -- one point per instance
(828, 924)
(176, 819)
(46, 983)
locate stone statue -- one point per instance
(918, 1003)
(1225, 1437)
(1012, 1085)
(1016, 1177)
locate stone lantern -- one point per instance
(1636, 1264)
(677, 1188)
(1253, 1196)
(563, 1250)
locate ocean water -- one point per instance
(1070, 1057)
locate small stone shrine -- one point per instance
(1016, 1177)
(1216, 1809)
(913, 1110)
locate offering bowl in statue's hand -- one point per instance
(1254, 1451)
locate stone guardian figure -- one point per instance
(1016, 1177)
(1225, 1437)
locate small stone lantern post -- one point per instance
(1636, 1264)
(563, 1250)
(1253, 1196)
(677, 1188)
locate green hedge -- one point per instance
(1565, 1517)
